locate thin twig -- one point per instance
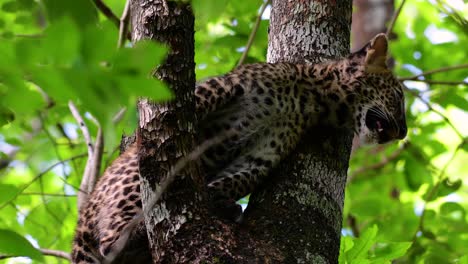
(85, 188)
(394, 18)
(46, 252)
(29, 35)
(48, 194)
(380, 164)
(352, 222)
(55, 253)
(97, 156)
(24, 187)
(443, 69)
(435, 188)
(93, 165)
(442, 82)
(118, 117)
(253, 33)
(429, 106)
(84, 129)
(109, 14)
(123, 25)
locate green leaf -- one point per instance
(206, 10)
(458, 101)
(390, 251)
(453, 210)
(99, 44)
(416, 173)
(83, 12)
(445, 188)
(463, 260)
(10, 7)
(25, 4)
(62, 50)
(437, 254)
(362, 244)
(345, 245)
(429, 234)
(11, 243)
(7, 192)
(23, 99)
(6, 116)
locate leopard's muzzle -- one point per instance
(385, 126)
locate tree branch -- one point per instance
(107, 12)
(46, 252)
(123, 25)
(443, 69)
(394, 18)
(97, 156)
(24, 187)
(380, 164)
(55, 253)
(118, 117)
(253, 33)
(93, 165)
(429, 106)
(85, 186)
(84, 129)
(442, 82)
(101, 6)
(48, 194)
(435, 188)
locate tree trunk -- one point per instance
(167, 129)
(300, 209)
(295, 218)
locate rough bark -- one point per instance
(166, 129)
(300, 210)
(296, 217)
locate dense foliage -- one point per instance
(404, 201)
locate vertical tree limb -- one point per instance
(303, 203)
(93, 164)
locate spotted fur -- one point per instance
(265, 109)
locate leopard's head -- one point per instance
(380, 113)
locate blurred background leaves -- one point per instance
(405, 201)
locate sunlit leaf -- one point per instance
(416, 173)
(362, 245)
(390, 251)
(7, 192)
(12, 243)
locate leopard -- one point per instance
(265, 109)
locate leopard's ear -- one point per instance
(373, 55)
(376, 53)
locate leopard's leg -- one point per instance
(118, 220)
(81, 252)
